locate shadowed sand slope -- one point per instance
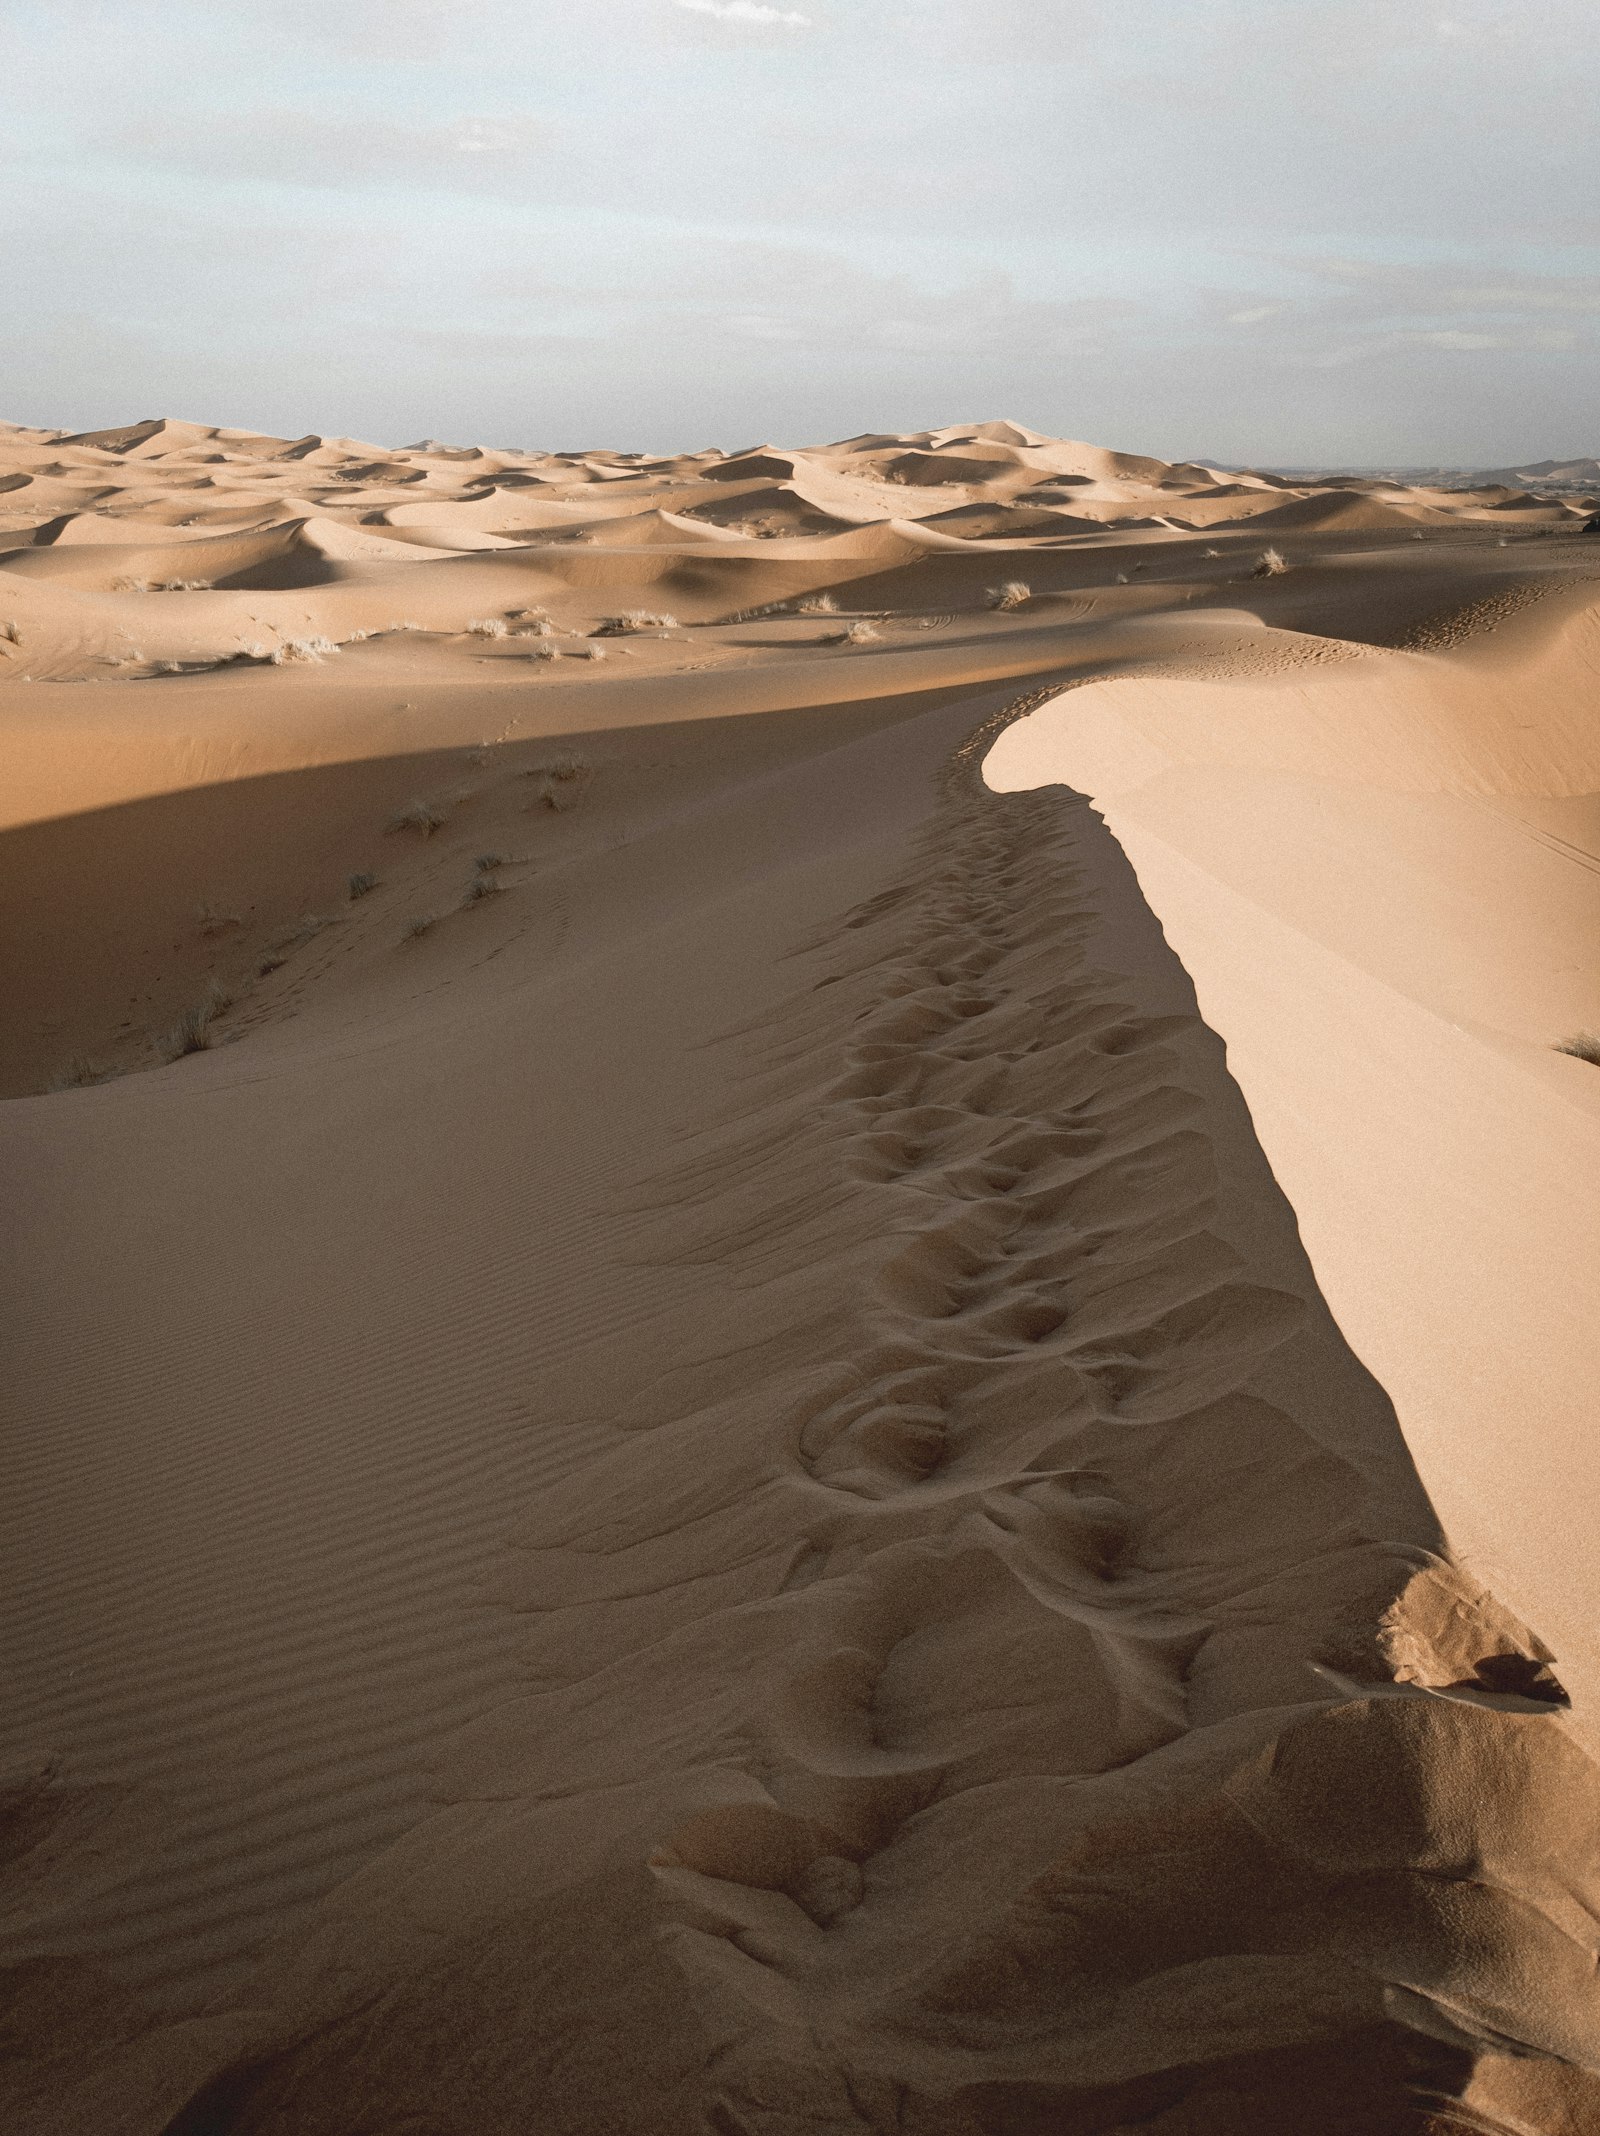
(691, 1476)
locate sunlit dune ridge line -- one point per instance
(797, 1320)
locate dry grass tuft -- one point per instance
(591, 652)
(541, 649)
(1272, 564)
(360, 885)
(78, 1074)
(1583, 1046)
(817, 604)
(481, 887)
(420, 925)
(303, 651)
(416, 816)
(1013, 594)
(487, 627)
(860, 633)
(633, 622)
(485, 863)
(192, 1032)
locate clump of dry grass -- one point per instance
(77, 1074)
(1013, 594)
(360, 885)
(532, 623)
(560, 781)
(817, 604)
(1271, 564)
(306, 927)
(1583, 1046)
(420, 925)
(485, 863)
(487, 627)
(303, 651)
(542, 649)
(416, 816)
(633, 622)
(591, 652)
(859, 633)
(192, 1032)
(482, 885)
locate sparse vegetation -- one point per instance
(1271, 564)
(530, 624)
(487, 861)
(487, 627)
(309, 925)
(591, 652)
(480, 887)
(192, 1032)
(858, 633)
(1013, 594)
(542, 650)
(417, 816)
(78, 1074)
(817, 604)
(420, 925)
(360, 885)
(1583, 1046)
(633, 622)
(307, 651)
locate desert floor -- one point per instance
(799, 1293)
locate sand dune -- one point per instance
(798, 1316)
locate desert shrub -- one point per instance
(633, 621)
(542, 649)
(485, 863)
(859, 633)
(817, 604)
(591, 652)
(1583, 1046)
(360, 885)
(480, 887)
(77, 1074)
(192, 1032)
(303, 651)
(487, 627)
(1013, 594)
(1272, 564)
(416, 816)
(420, 925)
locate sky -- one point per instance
(1280, 232)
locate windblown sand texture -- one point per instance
(799, 1293)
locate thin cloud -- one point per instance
(748, 11)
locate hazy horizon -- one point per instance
(1328, 233)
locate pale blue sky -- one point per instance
(1272, 230)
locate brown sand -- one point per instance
(745, 1485)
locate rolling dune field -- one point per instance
(799, 1311)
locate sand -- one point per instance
(846, 1387)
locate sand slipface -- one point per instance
(797, 1320)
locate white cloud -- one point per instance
(748, 11)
